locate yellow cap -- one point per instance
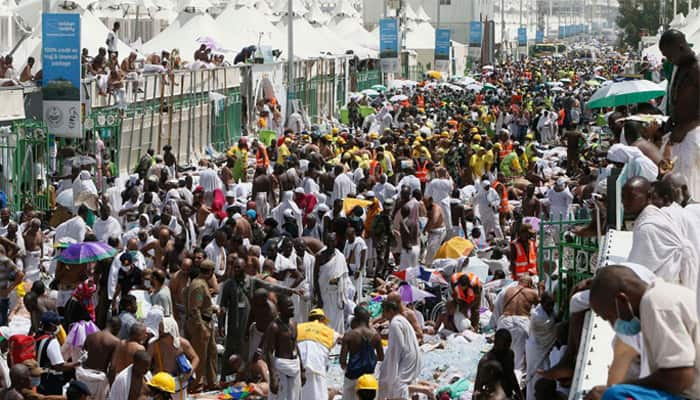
(367, 382)
(288, 140)
(373, 135)
(328, 137)
(529, 136)
(316, 313)
(475, 130)
(163, 381)
(335, 130)
(477, 138)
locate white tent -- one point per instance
(315, 15)
(353, 30)
(194, 5)
(184, 37)
(243, 27)
(410, 14)
(420, 35)
(421, 15)
(263, 7)
(281, 8)
(308, 43)
(344, 8)
(93, 34)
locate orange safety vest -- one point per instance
(525, 263)
(505, 150)
(469, 296)
(375, 168)
(261, 159)
(503, 208)
(422, 171)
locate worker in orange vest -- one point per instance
(506, 144)
(261, 158)
(523, 252)
(466, 291)
(422, 170)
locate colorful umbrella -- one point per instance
(86, 252)
(425, 274)
(455, 248)
(410, 294)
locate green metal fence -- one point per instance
(26, 151)
(575, 256)
(367, 79)
(227, 123)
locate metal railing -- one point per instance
(575, 256)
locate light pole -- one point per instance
(438, 14)
(290, 58)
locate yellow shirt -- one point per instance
(488, 159)
(282, 153)
(478, 165)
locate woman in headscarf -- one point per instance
(79, 317)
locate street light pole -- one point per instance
(290, 57)
(438, 14)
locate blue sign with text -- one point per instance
(60, 53)
(475, 33)
(442, 44)
(539, 37)
(522, 36)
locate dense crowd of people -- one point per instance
(252, 273)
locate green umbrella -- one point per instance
(625, 93)
(379, 88)
(489, 86)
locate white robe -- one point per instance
(334, 296)
(75, 228)
(288, 378)
(688, 161)
(519, 327)
(541, 339)
(402, 360)
(343, 186)
(315, 358)
(637, 163)
(487, 202)
(356, 249)
(95, 380)
(104, 229)
(660, 245)
(122, 384)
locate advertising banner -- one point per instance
(60, 55)
(442, 49)
(522, 36)
(539, 37)
(389, 45)
(475, 33)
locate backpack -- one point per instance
(22, 348)
(362, 362)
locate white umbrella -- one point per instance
(401, 83)
(370, 92)
(487, 67)
(565, 80)
(475, 87)
(398, 97)
(556, 89)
